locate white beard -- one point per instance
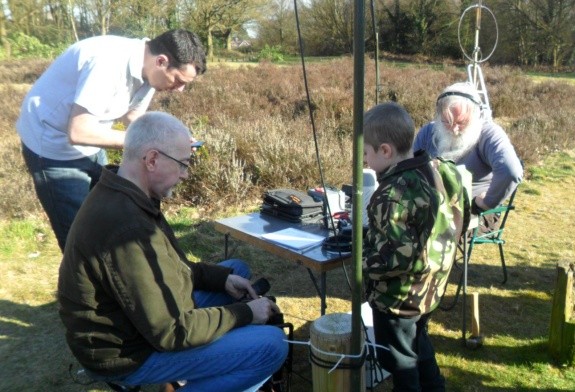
(453, 147)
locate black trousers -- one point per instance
(411, 358)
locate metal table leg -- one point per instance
(320, 288)
(226, 240)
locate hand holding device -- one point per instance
(262, 309)
(261, 286)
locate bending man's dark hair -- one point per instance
(182, 47)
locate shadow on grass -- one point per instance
(502, 361)
(515, 315)
(531, 354)
(200, 241)
(33, 349)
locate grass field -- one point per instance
(514, 317)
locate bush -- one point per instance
(271, 53)
(25, 46)
(256, 121)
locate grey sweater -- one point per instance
(493, 162)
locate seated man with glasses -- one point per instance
(136, 311)
(462, 134)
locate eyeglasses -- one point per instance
(183, 166)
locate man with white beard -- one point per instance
(460, 133)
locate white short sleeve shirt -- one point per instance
(102, 74)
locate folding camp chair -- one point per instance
(493, 235)
(479, 234)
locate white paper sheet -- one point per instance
(294, 238)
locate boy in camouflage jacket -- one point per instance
(416, 217)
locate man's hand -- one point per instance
(239, 287)
(479, 202)
(262, 309)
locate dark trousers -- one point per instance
(411, 358)
(62, 186)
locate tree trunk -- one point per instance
(3, 36)
(72, 20)
(229, 40)
(210, 45)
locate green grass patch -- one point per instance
(546, 76)
(557, 167)
(22, 236)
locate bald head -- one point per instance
(156, 154)
(153, 130)
(462, 95)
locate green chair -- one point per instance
(494, 235)
(478, 235)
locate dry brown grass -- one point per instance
(256, 122)
(17, 199)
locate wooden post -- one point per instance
(330, 337)
(475, 340)
(475, 329)
(562, 329)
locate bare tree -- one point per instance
(543, 29)
(328, 26)
(146, 17)
(3, 35)
(96, 15)
(278, 27)
(222, 17)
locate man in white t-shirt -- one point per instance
(66, 118)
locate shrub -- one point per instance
(258, 130)
(257, 125)
(26, 46)
(271, 53)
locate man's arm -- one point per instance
(153, 287)
(84, 129)
(505, 165)
(131, 116)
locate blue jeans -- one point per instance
(241, 360)
(62, 186)
(411, 358)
